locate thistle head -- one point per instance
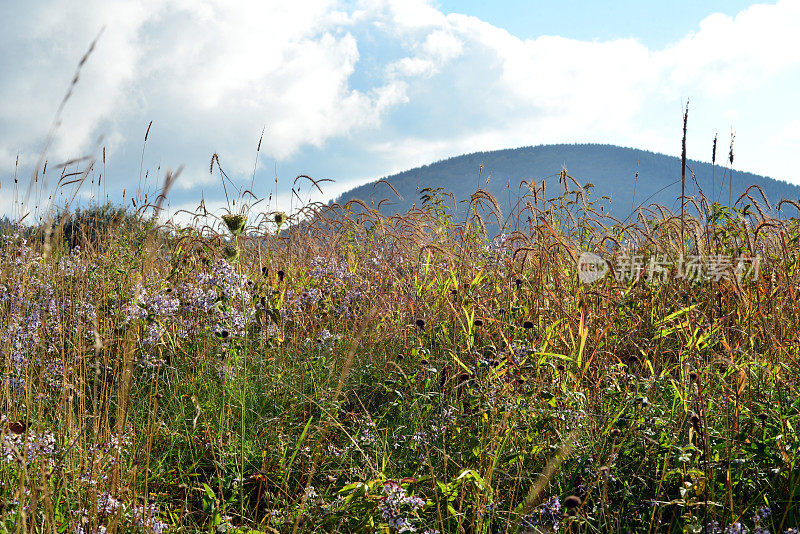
(230, 252)
(235, 223)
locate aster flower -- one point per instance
(392, 507)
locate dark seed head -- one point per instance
(400, 357)
(633, 359)
(264, 271)
(527, 325)
(420, 323)
(478, 323)
(693, 376)
(168, 290)
(494, 363)
(763, 416)
(17, 427)
(615, 432)
(518, 283)
(224, 334)
(281, 275)
(572, 502)
(424, 361)
(695, 419)
(560, 367)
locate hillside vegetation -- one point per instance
(630, 178)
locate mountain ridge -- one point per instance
(629, 176)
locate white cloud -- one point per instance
(407, 15)
(443, 45)
(787, 137)
(209, 74)
(729, 54)
(411, 66)
(553, 89)
(212, 73)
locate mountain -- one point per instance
(612, 170)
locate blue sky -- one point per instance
(353, 90)
(655, 24)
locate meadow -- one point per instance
(340, 370)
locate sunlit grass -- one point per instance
(353, 372)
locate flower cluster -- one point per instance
(221, 296)
(497, 247)
(322, 267)
(38, 314)
(546, 515)
(142, 517)
(30, 447)
(393, 504)
(760, 517)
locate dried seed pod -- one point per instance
(17, 427)
(235, 223)
(571, 503)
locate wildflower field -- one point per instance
(339, 370)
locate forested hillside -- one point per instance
(611, 169)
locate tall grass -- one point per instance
(356, 372)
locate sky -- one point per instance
(352, 90)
